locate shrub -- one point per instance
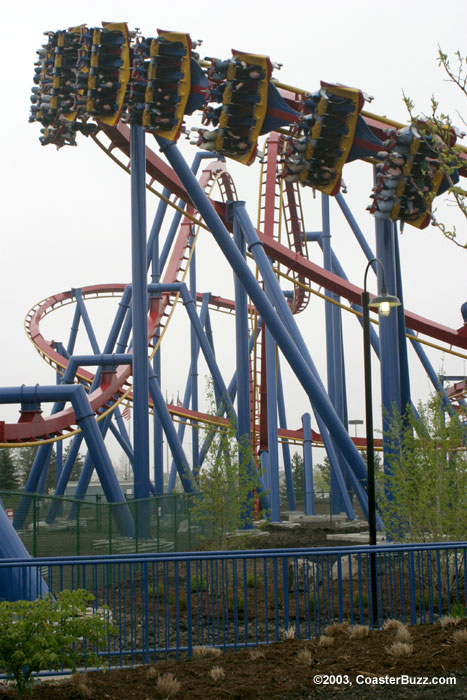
(217, 673)
(402, 634)
(325, 641)
(359, 631)
(256, 654)
(50, 633)
(400, 649)
(336, 627)
(203, 651)
(305, 657)
(449, 621)
(457, 610)
(168, 686)
(393, 624)
(460, 636)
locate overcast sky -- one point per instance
(66, 214)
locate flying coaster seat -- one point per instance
(109, 72)
(409, 176)
(241, 84)
(317, 159)
(43, 109)
(168, 84)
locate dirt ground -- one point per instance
(349, 663)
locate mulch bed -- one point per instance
(281, 671)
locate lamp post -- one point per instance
(355, 422)
(383, 302)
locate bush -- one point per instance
(50, 633)
(422, 497)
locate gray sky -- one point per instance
(66, 214)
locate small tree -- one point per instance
(48, 634)
(10, 478)
(227, 482)
(324, 470)
(423, 497)
(298, 473)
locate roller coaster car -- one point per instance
(109, 64)
(409, 177)
(329, 134)
(168, 84)
(79, 42)
(244, 105)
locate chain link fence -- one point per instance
(67, 527)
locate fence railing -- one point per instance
(70, 527)
(163, 605)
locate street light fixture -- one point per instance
(355, 422)
(383, 302)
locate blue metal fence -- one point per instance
(165, 604)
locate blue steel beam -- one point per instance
(333, 355)
(277, 298)
(194, 352)
(308, 465)
(17, 583)
(388, 329)
(140, 319)
(273, 457)
(243, 370)
(153, 253)
(291, 504)
(312, 386)
(85, 419)
(186, 477)
(186, 398)
(77, 293)
(190, 306)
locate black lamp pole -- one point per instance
(383, 302)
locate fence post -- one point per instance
(189, 620)
(109, 510)
(34, 513)
(78, 508)
(98, 512)
(412, 599)
(136, 516)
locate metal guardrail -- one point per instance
(163, 605)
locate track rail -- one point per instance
(114, 386)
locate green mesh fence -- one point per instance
(68, 527)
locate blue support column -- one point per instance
(85, 419)
(400, 310)
(294, 349)
(272, 428)
(332, 349)
(77, 293)
(186, 399)
(17, 583)
(194, 347)
(276, 296)
(291, 504)
(243, 369)
(153, 255)
(308, 465)
(140, 321)
(186, 477)
(74, 330)
(388, 328)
